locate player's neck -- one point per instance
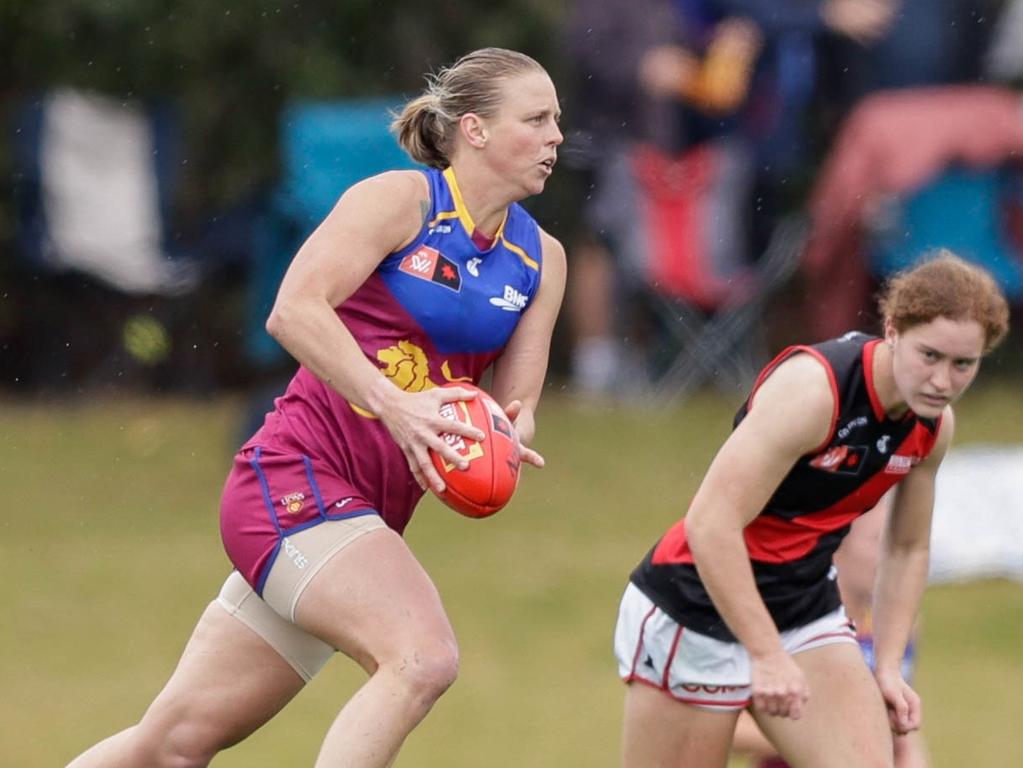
(481, 197)
(893, 404)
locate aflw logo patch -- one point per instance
(842, 459)
(430, 264)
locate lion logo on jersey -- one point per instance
(408, 368)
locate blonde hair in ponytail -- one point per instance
(426, 125)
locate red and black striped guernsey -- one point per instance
(792, 540)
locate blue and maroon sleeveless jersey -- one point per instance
(441, 309)
(792, 540)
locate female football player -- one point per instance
(737, 606)
(415, 279)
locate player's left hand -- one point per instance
(904, 708)
(525, 428)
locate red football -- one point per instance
(493, 472)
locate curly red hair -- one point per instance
(945, 285)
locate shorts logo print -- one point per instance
(295, 555)
(292, 502)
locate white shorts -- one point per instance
(652, 648)
(272, 616)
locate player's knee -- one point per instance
(191, 745)
(181, 744)
(428, 670)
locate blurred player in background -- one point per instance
(415, 279)
(737, 605)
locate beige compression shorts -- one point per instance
(272, 617)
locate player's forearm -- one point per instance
(722, 561)
(519, 375)
(312, 333)
(902, 577)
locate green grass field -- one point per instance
(110, 548)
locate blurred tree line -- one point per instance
(230, 66)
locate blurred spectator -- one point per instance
(927, 43)
(797, 35)
(794, 31)
(649, 76)
(706, 84)
(923, 45)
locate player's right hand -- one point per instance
(414, 421)
(779, 686)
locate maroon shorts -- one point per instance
(272, 493)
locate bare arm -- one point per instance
(520, 371)
(856, 560)
(372, 219)
(791, 416)
(901, 578)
